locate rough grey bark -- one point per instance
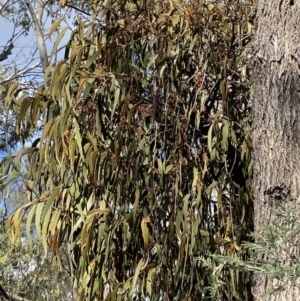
(276, 120)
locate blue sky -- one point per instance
(24, 45)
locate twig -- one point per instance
(78, 9)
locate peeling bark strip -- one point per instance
(276, 123)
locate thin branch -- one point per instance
(18, 74)
(3, 6)
(78, 9)
(25, 69)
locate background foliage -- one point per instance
(26, 275)
(272, 254)
(143, 163)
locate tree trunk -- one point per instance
(276, 121)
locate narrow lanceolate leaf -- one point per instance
(16, 223)
(57, 41)
(116, 87)
(150, 279)
(54, 26)
(29, 225)
(3, 259)
(210, 138)
(195, 177)
(78, 138)
(136, 275)
(38, 214)
(225, 134)
(10, 94)
(145, 230)
(160, 166)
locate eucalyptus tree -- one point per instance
(143, 163)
